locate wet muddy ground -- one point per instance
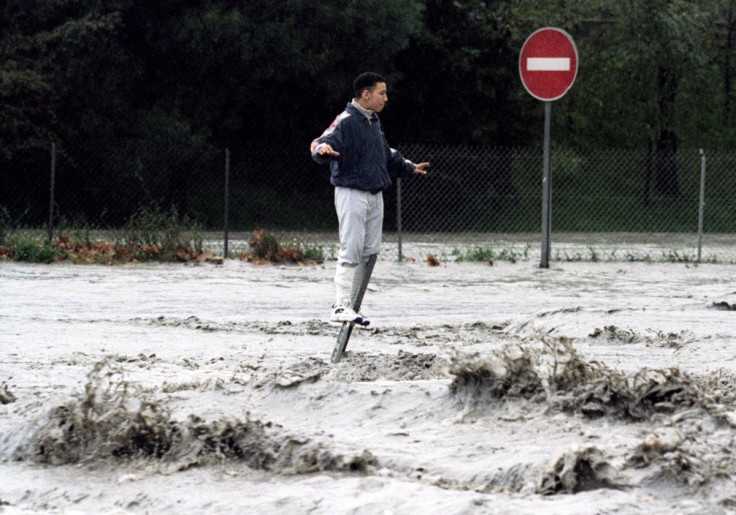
(583, 388)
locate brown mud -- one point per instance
(584, 389)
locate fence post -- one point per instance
(227, 200)
(51, 192)
(702, 203)
(398, 216)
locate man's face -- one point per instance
(376, 98)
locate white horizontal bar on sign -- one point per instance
(548, 64)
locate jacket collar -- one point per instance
(367, 113)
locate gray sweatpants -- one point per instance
(360, 214)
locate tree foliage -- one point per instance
(230, 71)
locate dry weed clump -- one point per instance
(108, 420)
(433, 261)
(266, 248)
(99, 252)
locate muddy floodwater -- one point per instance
(582, 388)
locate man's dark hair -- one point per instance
(367, 80)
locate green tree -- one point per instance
(706, 115)
(653, 45)
(642, 67)
(25, 108)
(262, 70)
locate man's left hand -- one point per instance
(421, 169)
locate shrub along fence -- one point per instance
(607, 204)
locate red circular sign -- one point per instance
(548, 63)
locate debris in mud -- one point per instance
(191, 322)
(291, 379)
(728, 502)
(517, 370)
(719, 387)
(668, 459)
(508, 373)
(304, 372)
(577, 470)
(662, 439)
(512, 479)
(670, 340)
(719, 395)
(555, 372)
(563, 368)
(293, 375)
(113, 420)
(613, 333)
(637, 396)
(724, 306)
(6, 397)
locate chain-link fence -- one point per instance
(476, 202)
(606, 204)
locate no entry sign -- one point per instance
(548, 63)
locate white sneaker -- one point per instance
(345, 314)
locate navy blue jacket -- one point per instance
(366, 162)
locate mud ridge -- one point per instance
(426, 335)
(419, 335)
(403, 366)
(355, 367)
(281, 327)
(112, 420)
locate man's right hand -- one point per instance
(325, 149)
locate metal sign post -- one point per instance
(548, 65)
(52, 187)
(546, 187)
(701, 204)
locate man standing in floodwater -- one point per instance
(361, 165)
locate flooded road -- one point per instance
(582, 388)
